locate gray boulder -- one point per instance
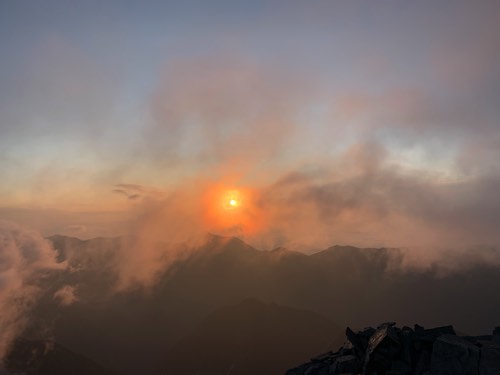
(454, 355)
(389, 350)
(489, 363)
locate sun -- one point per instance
(232, 199)
(232, 202)
(231, 210)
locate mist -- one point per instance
(26, 258)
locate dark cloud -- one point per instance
(131, 196)
(135, 192)
(120, 191)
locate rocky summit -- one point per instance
(389, 350)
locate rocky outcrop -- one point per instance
(389, 350)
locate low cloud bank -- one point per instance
(26, 258)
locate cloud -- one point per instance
(361, 199)
(25, 259)
(225, 123)
(88, 224)
(398, 166)
(66, 295)
(370, 195)
(225, 109)
(162, 226)
(136, 192)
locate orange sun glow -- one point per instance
(230, 211)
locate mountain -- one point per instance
(38, 357)
(252, 337)
(134, 330)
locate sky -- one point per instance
(327, 122)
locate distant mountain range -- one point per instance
(227, 307)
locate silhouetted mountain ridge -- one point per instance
(347, 285)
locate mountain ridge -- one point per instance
(347, 285)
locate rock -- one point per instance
(389, 350)
(489, 364)
(433, 333)
(454, 355)
(322, 357)
(359, 340)
(496, 335)
(346, 364)
(383, 348)
(406, 337)
(423, 364)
